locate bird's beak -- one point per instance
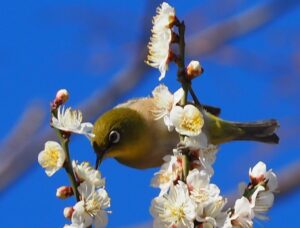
(99, 160)
(100, 155)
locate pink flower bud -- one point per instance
(68, 212)
(194, 69)
(62, 96)
(64, 192)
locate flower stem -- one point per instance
(64, 140)
(68, 163)
(194, 96)
(185, 84)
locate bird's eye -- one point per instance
(114, 137)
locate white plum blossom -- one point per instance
(265, 183)
(261, 202)
(206, 195)
(242, 215)
(169, 172)
(188, 120)
(91, 210)
(164, 18)
(159, 45)
(84, 172)
(164, 102)
(175, 209)
(202, 192)
(206, 157)
(71, 121)
(260, 174)
(212, 215)
(52, 158)
(197, 142)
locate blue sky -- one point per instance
(81, 46)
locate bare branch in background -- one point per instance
(12, 152)
(237, 26)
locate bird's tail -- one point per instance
(262, 131)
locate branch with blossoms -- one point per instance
(87, 185)
(187, 198)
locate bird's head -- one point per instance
(116, 131)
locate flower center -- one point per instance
(92, 206)
(52, 157)
(164, 178)
(177, 213)
(200, 196)
(192, 123)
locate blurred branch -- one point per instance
(237, 26)
(12, 149)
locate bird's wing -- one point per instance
(144, 106)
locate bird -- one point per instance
(130, 133)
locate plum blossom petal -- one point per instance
(71, 121)
(52, 157)
(159, 45)
(188, 120)
(175, 209)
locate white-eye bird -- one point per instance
(130, 134)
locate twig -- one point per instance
(182, 78)
(68, 163)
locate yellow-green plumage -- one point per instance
(144, 141)
(220, 131)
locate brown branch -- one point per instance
(12, 149)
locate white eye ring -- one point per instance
(114, 137)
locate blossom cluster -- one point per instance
(194, 201)
(87, 184)
(187, 120)
(91, 209)
(160, 53)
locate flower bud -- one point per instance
(62, 96)
(68, 212)
(64, 192)
(194, 69)
(258, 173)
